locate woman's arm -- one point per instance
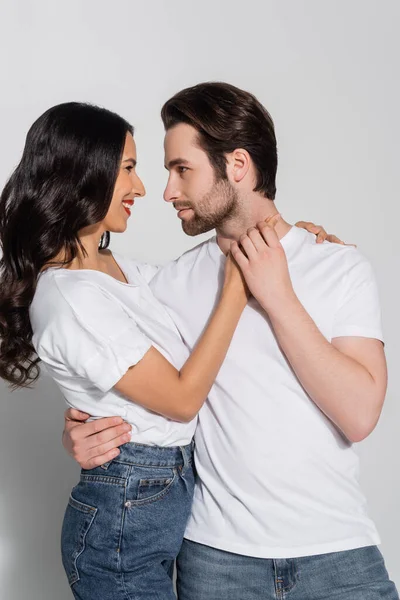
(155, 384)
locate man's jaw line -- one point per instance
(232, 229)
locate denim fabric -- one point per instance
(124, 524)
(205, 573)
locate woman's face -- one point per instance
(127, 187)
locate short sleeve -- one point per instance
(148, 271)
(92, 336)
(131, 267)
(359, 312)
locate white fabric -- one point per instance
(89, 328)
(276, 478)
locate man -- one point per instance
(278, 512)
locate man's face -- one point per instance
(203, 202)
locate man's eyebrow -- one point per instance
(131, 160)
(176, 161)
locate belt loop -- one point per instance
(185, 458)
(106, 465)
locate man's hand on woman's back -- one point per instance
(95, 443)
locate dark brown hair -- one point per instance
(63, 183)
(227, 118)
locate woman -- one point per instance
(90, 317)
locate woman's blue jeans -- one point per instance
(124, 524)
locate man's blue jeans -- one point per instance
(205, 573)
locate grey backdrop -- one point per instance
(328, 73)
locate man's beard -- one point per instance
(208, 216)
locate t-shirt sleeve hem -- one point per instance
(108, 374)
(358, 332)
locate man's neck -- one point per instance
(259, 211)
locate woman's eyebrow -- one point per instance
(132, 160)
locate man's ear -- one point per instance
(238, 165)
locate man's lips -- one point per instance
(183, 211)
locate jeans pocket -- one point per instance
(78, 519)
(153, 488)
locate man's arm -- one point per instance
(95, 443)
(346, 378)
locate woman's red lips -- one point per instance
(126, 204)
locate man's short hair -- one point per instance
(227, 118)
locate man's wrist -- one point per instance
(282, 307)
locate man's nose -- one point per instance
(170, 193)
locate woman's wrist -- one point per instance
(234, 297)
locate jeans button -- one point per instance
(128, 504)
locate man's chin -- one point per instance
(192, 228)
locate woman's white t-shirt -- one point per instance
(89, 329)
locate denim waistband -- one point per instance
(155, 456)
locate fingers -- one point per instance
(97, 461)
(241, 260)
(247, 244)
(269, 234)
(321, 234)
(99, 440)
(84, 430)
(256, 238)
(334, 239)
(318, 230)
(307, 225)
(315, 229)
(104, 423)
(272, 221)
(102, 449)
(255, 241)
(72, 414)
(97, 449)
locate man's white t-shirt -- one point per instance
(89, 329)
(276, 479)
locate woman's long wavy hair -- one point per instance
(64, 182)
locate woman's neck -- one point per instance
(91, 257)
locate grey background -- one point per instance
(329, 74)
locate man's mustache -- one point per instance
(182, 205)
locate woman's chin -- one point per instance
(120, 228)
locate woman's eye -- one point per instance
(129, 169)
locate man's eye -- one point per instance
(182, 169)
